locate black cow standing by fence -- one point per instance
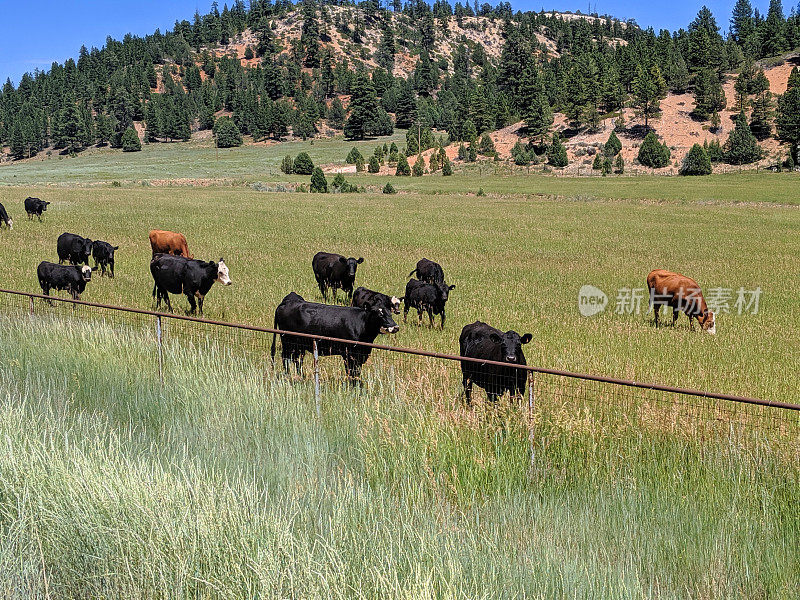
(103, 254)
(334, 271)
(426, 297)
(5, 219)
(362, 296)
(343, 322)
(71, 278)
(35, 207)
(428, 271)
(479, 340)
(73, 249)
(174, 274)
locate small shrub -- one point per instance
(419, 167)
(486, 146)
(619, 164)
(116, 184)
(613, 145)
(359, 164)
(597, 164)
(318, 182)
(557, 153)
(606, 167)
(374, 164)
(696, 162)
(287, 165)
(481, 192)
(303, 164)
(403, 169)
(389, 189)
(130, 141)
(447, 168)
(653, 153)
(353, 156)
(226, 133)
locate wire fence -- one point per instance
(542, 398)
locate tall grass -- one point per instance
(222, 482)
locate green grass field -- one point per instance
(113, 484)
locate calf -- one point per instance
(4, 218)
(103, 254)
(342, 322)
(479, 340)
(428, 297)
(428, 271)
(362, 296)
(680, 293)
(181, 275)
(169, 242)
(71, 278)
(73, 249)
(35, 207)
(336, 272)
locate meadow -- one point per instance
(114, 484)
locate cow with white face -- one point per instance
(70, 278)
(4, 218)
(190, 277)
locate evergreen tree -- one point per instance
(447, 168)
(696, 162)
(384, 55)
(649, 88)
(402, 166)
(309, 35)
(704, 43)
(130, 141)
(287, 165)
(597, 163)
(763, 107)
(363, 108)
(419, 167)
(374, 164)
(709, 97)
(353, 156)
(557, 153)
(486, 145)
(536, 111)
(773, 37)
(613, 145)
(303, 165)
(104, 128)
(226, 133)
(606, 166)
(788, 114)
(742, 147)
(653, 153)
(319, 184)
(336, 114)
(619, 165)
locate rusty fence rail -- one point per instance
(566, 399)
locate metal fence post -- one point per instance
(316, 379)
(530, 415)
(160, 350)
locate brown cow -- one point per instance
(680, 293)
(169, 242)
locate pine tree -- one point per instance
(788, 114)
(303, 165)
(447, 168)
(649, 88)
(363, 108)
(384, 55)
(619, 165)
(557, 153)
(613, 145)
(536, 111)
(696, 162)
(773, 37)
(374, 164)
(653, 153)
(287, 165)
(419, 167)
(309, 36)
(597, 164)
(130, 141)
(704, 43)
(742, 26)
(763, 107)
(709, 97)
(406, 111)
(402, 166)
(226, 133)
(353, 156)
(742, 147)
(606, 166)
(336, 114)
(319, 184)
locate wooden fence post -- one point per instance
(531, 440)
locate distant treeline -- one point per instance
(586, 68)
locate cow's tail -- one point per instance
(412, 272)
(272, 351)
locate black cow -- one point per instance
(103, 254)
(73, 249)
(479, 340)
(181, 275)
(428, 271)
(336, 272)
(62, 277)
(343, 322)
(362, 296)
(426, 297)
(4, 218)
(35, 207)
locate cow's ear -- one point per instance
(452, 287)
(116, 247)
(360, 259)
(495, 338)
(342, 259)
(526, 338)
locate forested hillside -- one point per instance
(454, 74)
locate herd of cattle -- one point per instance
(175, 271)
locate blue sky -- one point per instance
(34, 34)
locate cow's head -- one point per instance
(351, 264)
(396, 305)
(86, 272)
(10, 223)
(444, 290)
(382, 317)
(708, 322)
(86, 249)
(222, 273)
(43, 205)
(511, 344)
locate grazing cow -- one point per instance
(362, 296)
(169, 242)
(73, 249)
(181, 275)
(336, 272)
(427, 297)
(4, 218)
(103, 254)
(63, 277)
(35, 207)
(343, 322)
(479, 340)
(680, 293)
(428, 271)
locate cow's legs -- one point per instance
(192, 303)
(442, 319)
(419, 317)
(165, 296)
(467, 383)
(430, 316)
(200, 304)
(111, 266)
(405, 312)
(656, 308)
